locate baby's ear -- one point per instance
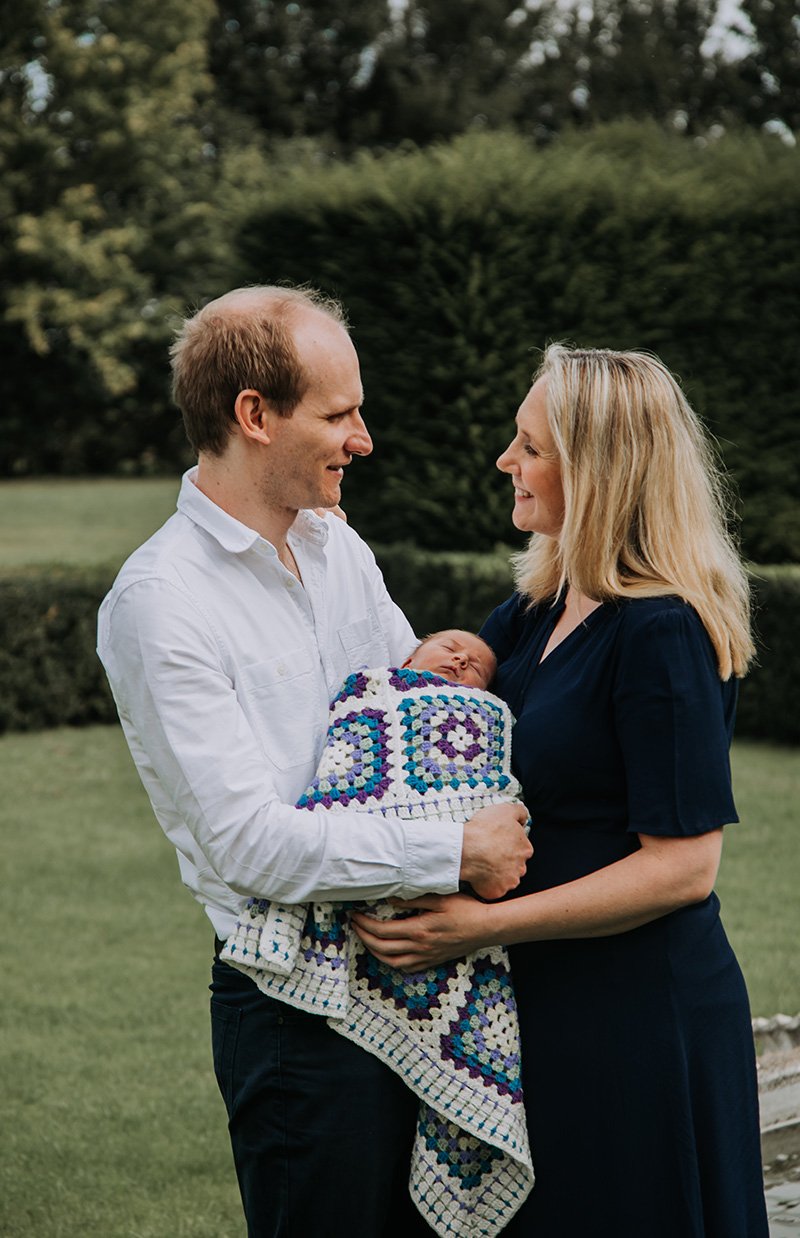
(407, 661)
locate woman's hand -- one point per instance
(333, 511)
(446, 927)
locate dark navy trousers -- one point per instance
(321, 1130)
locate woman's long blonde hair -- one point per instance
(644, 506)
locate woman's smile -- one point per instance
(531, 457)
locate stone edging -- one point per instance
(780, 1034)
(778, 1046)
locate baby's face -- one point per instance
(456, 655)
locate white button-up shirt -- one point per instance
(223, 666)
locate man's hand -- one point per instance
(496, 849)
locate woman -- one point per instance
(618, 656)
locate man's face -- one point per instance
(309, 450)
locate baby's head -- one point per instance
(456, 655)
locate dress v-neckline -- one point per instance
(557, 612)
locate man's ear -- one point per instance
(253, 415)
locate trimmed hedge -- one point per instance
(50, 674)
(458, 263)
(440, 589)
(768, 701)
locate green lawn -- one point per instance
(98, 520)
(113, 1127)
(112, 1124)
(760, 875)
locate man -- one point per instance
(224, 638)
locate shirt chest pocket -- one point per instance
(363, 643)
(281, 700)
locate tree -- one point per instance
(643, 59)
(110, 182)
(770, 73)
(363, 72)
(449, 66)
(298, 69)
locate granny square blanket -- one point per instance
(410, 744)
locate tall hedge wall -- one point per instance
(50, 675)
(768, 699)
(458, 264)
(49, 672)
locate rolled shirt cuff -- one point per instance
(433, 857)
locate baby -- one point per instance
(461, 657)
(425, 740)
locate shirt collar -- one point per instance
(231, 534)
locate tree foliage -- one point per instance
(110, 187)
(643, 59)
(770, 72)
(298, 69)
(363, 72)
(137, 139)
(447, 66)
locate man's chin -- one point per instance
(327, 502)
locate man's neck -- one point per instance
(240, 498)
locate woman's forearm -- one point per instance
(662, 876)
(665, 874)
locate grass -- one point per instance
(83, 522)
(760, 875)
(113, 1127)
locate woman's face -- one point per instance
(531, 460)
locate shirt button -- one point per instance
(289, 582)
(281, 668)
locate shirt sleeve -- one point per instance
(673, 718)
(399, 633)
(400, 637)
(207, 778)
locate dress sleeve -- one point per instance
(674, 721)
(501, 629)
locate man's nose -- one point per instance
(359, 442)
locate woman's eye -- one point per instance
(530, 451)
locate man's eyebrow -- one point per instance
(351, 408)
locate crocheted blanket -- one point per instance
(410, 744)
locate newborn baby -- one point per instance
(461, 657)
(422, 741)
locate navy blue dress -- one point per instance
(638, 1061)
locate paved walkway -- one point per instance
(783, 1198)
(779, 1096)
